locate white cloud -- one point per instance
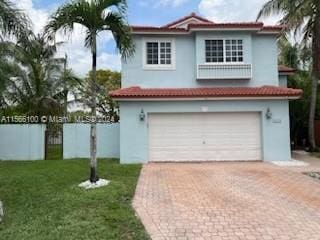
(79, 56)
(233, 10)
(38, 17)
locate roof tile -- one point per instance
(286, 70)
(265, 91)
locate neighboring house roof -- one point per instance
(193, 22)
(217, 92)
(284, 70)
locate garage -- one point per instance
(185, 137)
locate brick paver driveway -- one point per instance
(227, 201)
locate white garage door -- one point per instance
(204, 137)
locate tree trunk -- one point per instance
(65, 90)
(93, 129)
(315, 80)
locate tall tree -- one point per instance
(95, 16)
(302, 16)
(33, 75)
(70, 84)
(12, 20)
(107, 81)
(289, 54)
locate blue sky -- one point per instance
(140, 12)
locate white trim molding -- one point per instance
(206, 99)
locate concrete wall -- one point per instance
(22, 141)
(76, 140)
(259, 50)
(275, 131)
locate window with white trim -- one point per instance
(234, 50)
(223, 50)
(214, 51)
(159, 53)
(152, 53)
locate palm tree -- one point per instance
(289, 54)
(95, 16)
(70, 84)
(302, 16)
(33, 75)
(12, 20)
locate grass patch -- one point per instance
(42, 201)
(54, 152)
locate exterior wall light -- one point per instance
(142, 115)
(268, 114)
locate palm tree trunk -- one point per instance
(315, 80)
(93, 129)
(65, 90)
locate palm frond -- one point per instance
(115, 23)
(12, 20)
(270, 8)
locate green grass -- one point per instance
(54, 152)
(42, 201)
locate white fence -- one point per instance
(76, 140)
(22, 141)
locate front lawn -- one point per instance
(42, 201)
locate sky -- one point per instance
(140, 12)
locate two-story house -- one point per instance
(196, 90)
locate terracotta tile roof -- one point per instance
(207, 24)
(157, 29)
(244, 25)
(274, 28)
(286, 70)
(265, 91)
(254, 25)
(180, 20)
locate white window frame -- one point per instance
(224, 51)
(159, 66)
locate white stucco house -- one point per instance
(197, 90)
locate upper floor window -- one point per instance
(224, 50)
(158, 53)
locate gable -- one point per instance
(185, 24)
(185, 21)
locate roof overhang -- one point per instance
(286, 71)
(257, 28)
(200, 94)
(204, 99)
